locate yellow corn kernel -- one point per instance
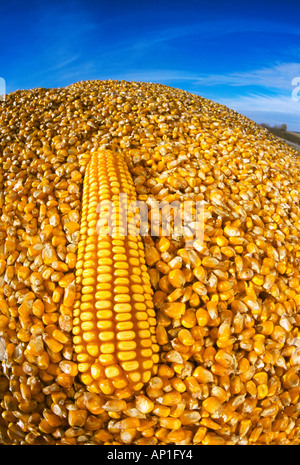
(161, 335)
(52, 343)
(210, 262)
(262, 391)
(170, 423)
(174, 309)
(202, 317)
(224, 358)
(203, 375)
(163, 244)
(185, 337)
(199, 435)
(188, 320)
(177, 278)
(212, 405)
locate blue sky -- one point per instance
(239, 53)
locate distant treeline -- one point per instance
(281, 127)
(281, 131)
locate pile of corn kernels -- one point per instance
(227, 309)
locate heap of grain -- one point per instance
(214, 359)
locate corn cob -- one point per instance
(114, 320)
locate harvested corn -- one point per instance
(114, 320)
(112, 337)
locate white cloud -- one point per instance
(279, 76)
(264, 103)
(267, 109)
